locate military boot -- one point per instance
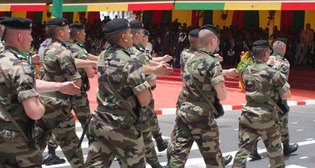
(161, 144)
(254, 154)
(51, 158)
(288, 149)
(227, 159)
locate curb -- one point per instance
(172, 111)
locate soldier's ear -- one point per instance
(124, 37)
(20, 36)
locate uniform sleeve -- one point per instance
(23, 82)
(68, 67)
(136, 77)
(281, 84)
(82, 54)
(284, 69)
(216, 71)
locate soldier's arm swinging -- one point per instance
(80, 63)
(89, 72)
(221, 92)
(286, 95)
(144, 97)
(65, 87)
(33, 108)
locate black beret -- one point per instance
(194, 33)
(2, 18)
(261, 44)
(212, 28)
(115, 26)
(57, 22)
(17, 23)
(146, 32)
(136, 24)
(77, 26)
(280, 39)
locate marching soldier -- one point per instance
(195, 116)
(279, 63)
(263, 86)
(122, 92)
(57, 64)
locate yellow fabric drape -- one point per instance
(309, 18)
(218, 20)
(201, 17)
(76, 17)
(183, 16)
(21, 14)
(263, 19)
(45, 18)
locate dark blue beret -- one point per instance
(261, 44)
(194, 33)
(17, 23)
(57, 22)
(212, 28)
(146, 32)
(115, 26)
(77, 26)
(136, 24)
(281, 39)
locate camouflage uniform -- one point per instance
(57, 65)
(80, 102)
(17, 83)
(194, 118)
(258, 118)
(150, 126)
(113, 130)
(282, 65)
(1, 46)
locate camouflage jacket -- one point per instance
(280, 64)
(17, 83)
(126, 76)
(139, 53)
(206, 72)
(57, 64)
(78, 51)
(272, 84)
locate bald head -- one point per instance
(279, 46)
(207, 39)
(193, 41)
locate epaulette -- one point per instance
(80, 44)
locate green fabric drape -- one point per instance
(69, 16)
(298, 20)
(208, 17)
(147, 17)
(38, 17)
(251, 19)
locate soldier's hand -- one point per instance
(167, 58)
(35, 58)
(152, 83)
(163, 70)
(94, 64)
(69, 88)
(270, 62)
(219, 57)
(231, 73)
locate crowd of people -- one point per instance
(37, 112)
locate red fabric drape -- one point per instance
(2, 14)
(64, 14)
(194, 18)
(30, 15)
(286, 20)
(238, 19)
(157, 17)
(93, 16)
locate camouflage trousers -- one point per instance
(284, 130)
(14, 151)
(81, 107)
(153, 121)
(109, 138)
(249, 131)
(59, 121)
(201, 129)
(147, 126)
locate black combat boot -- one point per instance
(227, 159)
(254, 154)
(288, 149)
(161, 144)
(51, 158)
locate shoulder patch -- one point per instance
(142, 75)
(27, 68)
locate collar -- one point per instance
(139, 47)
(61, 42)
(19, 51)
(205, 51)
(276, 53)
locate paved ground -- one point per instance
(301, 125)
